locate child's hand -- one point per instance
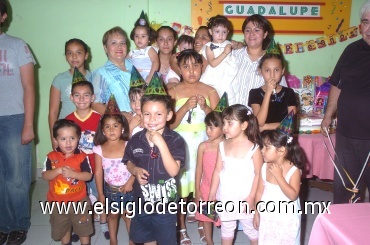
(101, 198)
(270, 86)
(276, 170)
(211, 197)
(197, 197)
(191, 103)
(67, 172)
(256, 221)
(127, 115)
(141, 175)
(155, 137)
(135, 121)
(126, 188)
(250, 201)
(202, 102)
(227, 49)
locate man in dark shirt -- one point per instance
(350, 96)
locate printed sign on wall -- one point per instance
(315, 17)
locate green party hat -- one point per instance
(222, 104)
(142, 20)
(136, 79)
(273, 48)
(77, 76)
(155, 86)
(286, 126)
(112, 107)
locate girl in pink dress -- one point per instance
(236, 174)
(206, 162)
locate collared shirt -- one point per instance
(247, 77)
(161, 186)
(63, 189)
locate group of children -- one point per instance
(163, 152)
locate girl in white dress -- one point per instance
(279, 186)
(144, 57)
(222, 66)
(235, 177)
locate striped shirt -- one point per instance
(247, 77)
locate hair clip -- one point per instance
(249, 112)
(289, 140)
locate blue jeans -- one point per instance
(15, 175)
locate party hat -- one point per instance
(222, 104)
(136, 79)
(142, 20)
(112, 107)
(286, 126)
(273, 48)
(155, 86)
(77, 76)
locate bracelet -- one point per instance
(225, 53)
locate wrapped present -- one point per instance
(293, 81)
(321, 98)
(309, 82)
(305, 99)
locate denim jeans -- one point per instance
(15, 175)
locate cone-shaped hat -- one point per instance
(136, 79)
(77, 76)
(222, 104)
(112, 107)
(155, 86)
(286, 126)
(273, 48)
(142, 20)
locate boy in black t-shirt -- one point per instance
(154, 156)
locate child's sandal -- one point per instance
(202, 239)
(185, 238)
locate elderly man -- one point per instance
(350, 96)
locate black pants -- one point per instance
(352, 154)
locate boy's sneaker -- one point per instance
(106, 235)
(75, 237)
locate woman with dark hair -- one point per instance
(257, 31)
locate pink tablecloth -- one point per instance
(318, 161)
(347, 224)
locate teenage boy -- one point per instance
(67, 169)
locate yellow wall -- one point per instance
(47, 24)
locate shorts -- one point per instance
(117, 199)
(154, 227)
(81, 223)
(228, 228)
